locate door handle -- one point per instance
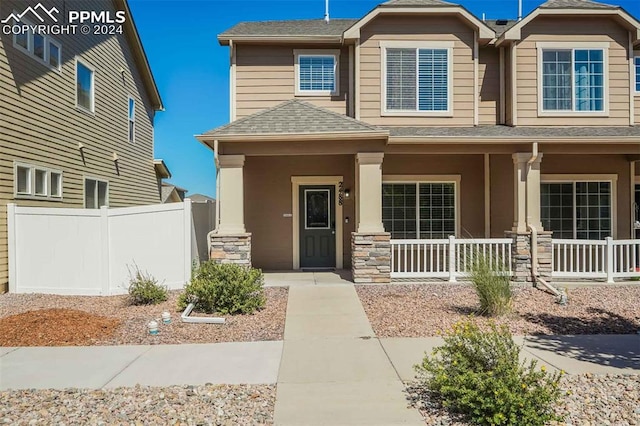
(333, 232)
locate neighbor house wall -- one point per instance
(41, 126)
(574, 29)
(416, 28)
(471, 190)
(268, 197)
(265, 77)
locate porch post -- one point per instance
(370, 245)
(231, 197)
(369, 171)
(520, 191)
(231, 243)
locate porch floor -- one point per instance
(301, 279)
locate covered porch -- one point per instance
(355, 198)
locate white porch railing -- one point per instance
(445, 258)
(592, 259)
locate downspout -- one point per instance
(534, 241)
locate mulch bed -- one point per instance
(55, 327)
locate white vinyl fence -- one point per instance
(90, 252)
(446, 258)
(592, 259)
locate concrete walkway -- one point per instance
(333, 371)
(96, 367)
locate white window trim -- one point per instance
(131, 139)
(29, 50)
(31, 195)
(84, 190)
(93, 86)
(417, 179)
(572, 46)
(336, 71)
(572, 178)
(384, 45)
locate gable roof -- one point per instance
(575, 4)
(140, 57)
(581, 7)
(500, 25)
(297, 28)
(293, 117)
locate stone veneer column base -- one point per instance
(521, 256)
(235, 248)
(371, 257)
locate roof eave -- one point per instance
(484, 32)
(161, 168)
(406, 140)
(224, 40)
(515, 32)
(266, 137)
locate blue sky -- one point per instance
(192, 70)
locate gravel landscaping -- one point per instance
(590, 400)
(423, 310)
(188, 405)
(131, 328)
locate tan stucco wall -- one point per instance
(268, 195)
(598, 164)
(501, 179)
(471, 171)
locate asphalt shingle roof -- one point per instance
(416, 3)
(293, 117)
(515, 132)
(302, 27)
(575, 4)
(500, 28)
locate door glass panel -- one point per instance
(316, 208)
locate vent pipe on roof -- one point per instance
(484, 17)
(519, 10)
(326, 11)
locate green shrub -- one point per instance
(144, 289)
(478, 374)
(491, 281)
(224, 288)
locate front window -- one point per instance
(132, 120)
(417, 80)
(419, 210)
(579, 210)
(95, 193)
(317, 74)
(84, 86)
(573, 80)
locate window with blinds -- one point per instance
(317, 74)
(417, 79)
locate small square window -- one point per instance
(55, 183)
(23, 180)
(41, 182)
(317, 73)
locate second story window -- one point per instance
(417, 80)
(316, 72)
(132, 120)
(573, 80)
(39, 46)
(84, 86)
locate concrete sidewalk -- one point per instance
(96, 367)
(333, 370)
